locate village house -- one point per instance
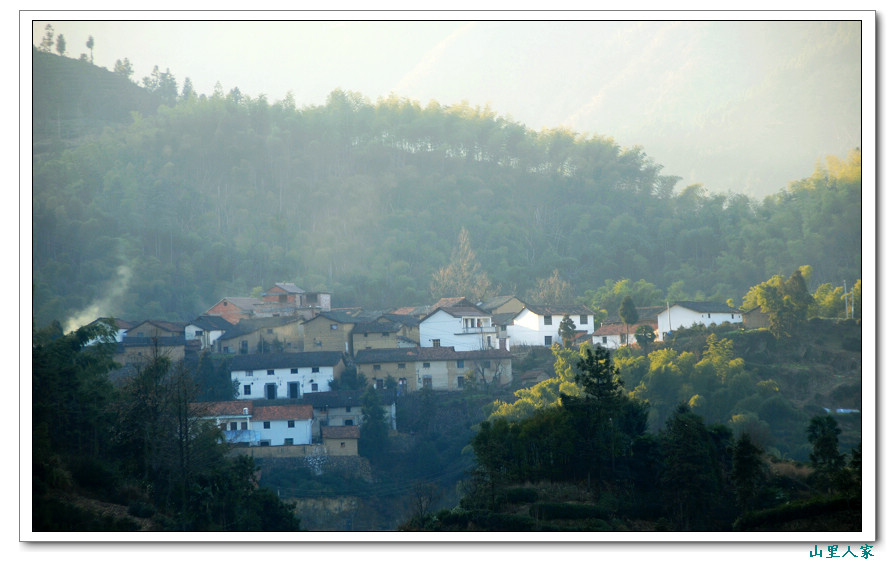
(341, 441)
(613, 333)
(463, 326)
(538, 325)
(345, 408)
(206, 330)
(254, 335)
(284, 375)
(152, 338)
(684, 314)
(332, 330)
(506, 304)
(118, 326)
(755, 318)
(245, 423)
(286, 299)
(234, 309)
(437, 368)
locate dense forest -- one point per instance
(155, 202)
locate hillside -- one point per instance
(214, 196)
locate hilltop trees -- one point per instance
(786, 302)
(463, 276)
(392, 183)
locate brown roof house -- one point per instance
(341, 440)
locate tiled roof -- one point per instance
(559, 310)
(285, 360)
(143, 341)
(368, 356)
(287, 287)
(211, 323)
(250, 325)
(453, 301)
(243, 303)
(340, 431)
(348, 315)
(227, 408)
(504, 319)
(371, 327)
(116, 323)
(458, 312)
(704, 306)
(616, 328)
(177, 327)
(404, 319)
(495, 302)
(283, 412)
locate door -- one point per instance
(270, 391)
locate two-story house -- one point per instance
(287, 299)
(152, 338)
(206, 330)
(463, 327)
(332, 330)
(247, 423)
(684, 314)
(234, 309)
(438, 368)
(284, 375)
(538, 325)
(254, 335)
(345, 408)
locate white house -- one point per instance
(684, 314)
(284, 375)
(207, 330)
(287, 424)
(245, 423)
(538, 325)
(465, 328)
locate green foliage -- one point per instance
(402, 174)
(566, 331)
(373, 442)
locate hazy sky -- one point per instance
(735, 105)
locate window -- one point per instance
(290, 423)
(333, 326)
(426, 365)
(427, 382)
(342, 444)
(349, 422)
(731, 316)
(605, 339)
(246, 389)
(380, 384)
(267, 425)
(347, 408)
(315, 369)
(548, 320)
(582, 319)
(293, 371)
(313, 387)
(548, 340)
(402, 365)
(265, 443)
(366, 334)
(244, 425)
(293, 390)
(200, 332)
(460, 364)
(436, 343)
(249, 373)
(486, 364)
(377, 367)
(385, 334)
(489, 342)
(287, 441)
(460, 381)
(270, 371)
(232, 426)
(270, 330)
(709, 315)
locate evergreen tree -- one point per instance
(628, 313)
(373, 442)
(823, 434)
(566, 331)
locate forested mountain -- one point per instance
(162, 214)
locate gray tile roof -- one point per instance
(257, 361)
(705, 306)
(368, 356)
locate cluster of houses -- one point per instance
(290, 344)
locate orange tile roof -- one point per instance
(284, 412)
(341, 432)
